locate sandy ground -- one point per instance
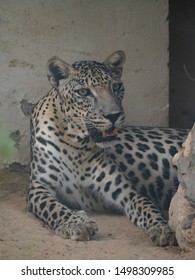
(22, 236)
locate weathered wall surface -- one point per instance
(33, 31)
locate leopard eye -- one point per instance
(83, 92)
(116, 86)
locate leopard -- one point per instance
(85, 158)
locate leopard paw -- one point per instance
(161, 236)
(79, 227)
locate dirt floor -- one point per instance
(22, 236)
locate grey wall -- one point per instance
(33, 31)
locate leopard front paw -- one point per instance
(161, 235)
(79, 227)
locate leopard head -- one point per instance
(91, 94)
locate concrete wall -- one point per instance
(33, 31)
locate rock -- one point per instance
(182, 220)
(182, 208)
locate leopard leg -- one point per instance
(143, 213)
(64, 222)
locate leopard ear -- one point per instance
(57, 70)
(115, 63)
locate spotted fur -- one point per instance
(84, 157)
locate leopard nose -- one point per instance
(113, 117)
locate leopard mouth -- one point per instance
(111, 132)
(104, 136)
